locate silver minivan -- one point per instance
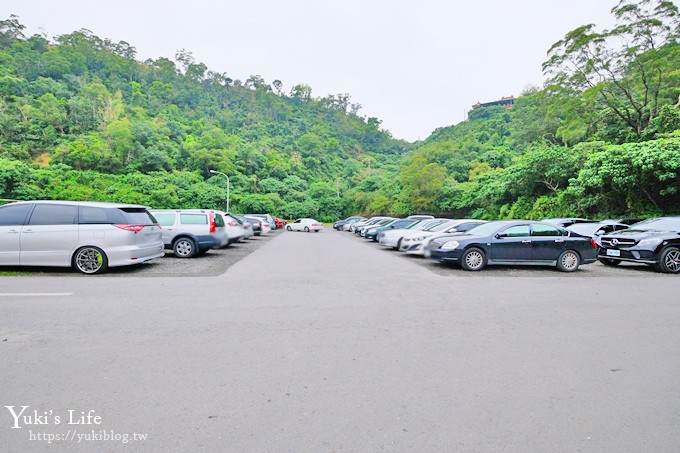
(191, 232)
(88, 236)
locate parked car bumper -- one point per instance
(445, 256)
(637, 256)
(128, 255)
(389, 241)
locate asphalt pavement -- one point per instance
(321, 342)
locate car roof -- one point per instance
(92, 204)
(188, 211)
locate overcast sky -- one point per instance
(416, 65)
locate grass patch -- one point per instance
(13, 273)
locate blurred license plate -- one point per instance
(613, 252)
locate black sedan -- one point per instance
(655, 242)
(515, 242)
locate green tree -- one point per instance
(621, 65)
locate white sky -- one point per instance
(415, 65)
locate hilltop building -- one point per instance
(507, 102)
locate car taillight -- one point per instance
(213, 225)
(232, 224)
(593, 243)
(256, 224)
(129, 227)
(266, 225)
(313, 224)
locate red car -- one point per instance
(279, 222)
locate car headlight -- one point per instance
(418, 239)
(650, 242)
(451, 245)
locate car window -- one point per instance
(53, 214)
(90, 215)
(660, 224)
(219, 221)
(193, 219)
(544, 230)
(516, 231)
(167, 219)
(138, 216)
(14, 214)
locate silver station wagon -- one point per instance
(191, 232)
(88, 236)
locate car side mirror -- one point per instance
(599, 232)
(500, 236)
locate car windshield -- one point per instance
(661, 224)
(587, 229)
(428, 225)
(418, 225)
(440, 226)
(486, 229)
(404, 223)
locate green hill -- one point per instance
(81, 118)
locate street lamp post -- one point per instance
(215, 172)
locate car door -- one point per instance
(547, 242)
(297, 225)
(512, 244)
(50, 236)
(12, 219)
(167, 222)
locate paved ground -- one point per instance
(343, 347)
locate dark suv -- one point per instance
(655, 242)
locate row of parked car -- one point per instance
(92, 236)
(565, 243)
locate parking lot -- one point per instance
(213, 263)
(325, 342)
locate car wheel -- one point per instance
(184, 248)
(473, 259)
(609, 262)
(669, 262)
(288, 228)
(90, 260)
(398, 245)
(568, 261)
(306, 229)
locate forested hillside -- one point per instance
(601, 138)
(81, 118)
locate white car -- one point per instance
(264, 226)
(87, 236)
(362, 223)
(306, 225)
(233, 229)
(247, 227)
(414, 243)
(393, 238)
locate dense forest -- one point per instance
(81, 118)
